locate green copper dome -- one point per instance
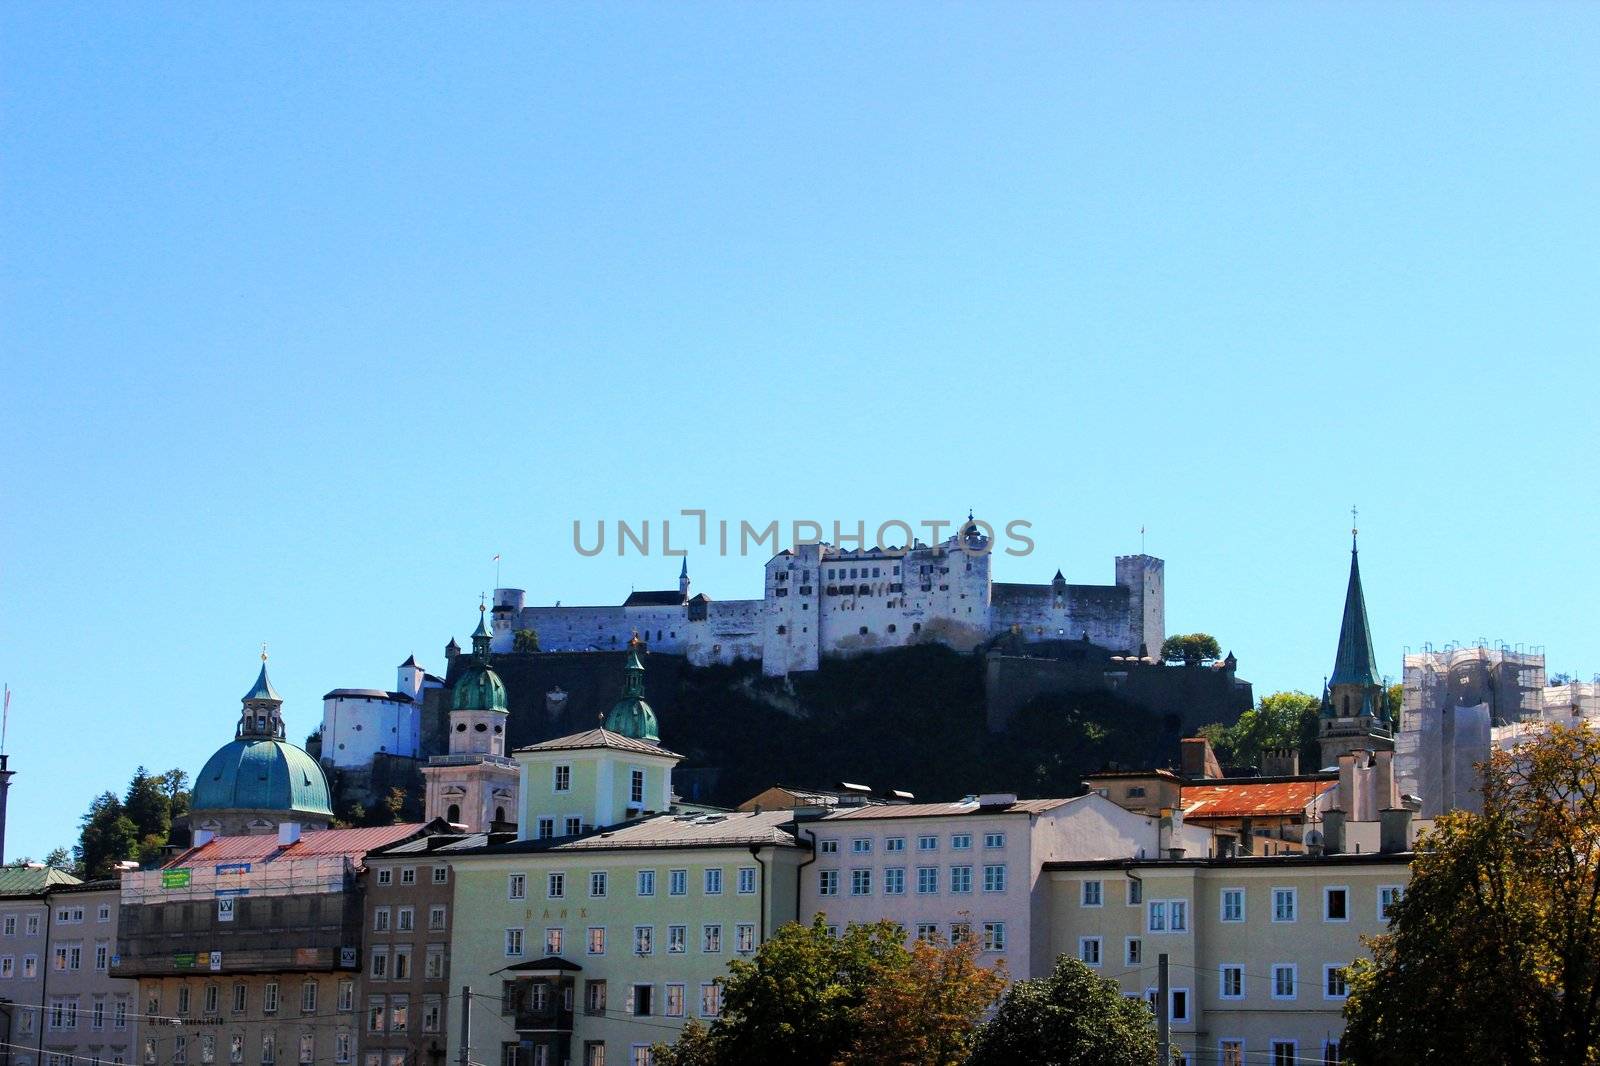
(631, 716)
(262, 775)
(479, 688)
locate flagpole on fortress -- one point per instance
(496, 569)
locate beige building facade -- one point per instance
(1257, 946)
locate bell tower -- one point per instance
(1355, 706)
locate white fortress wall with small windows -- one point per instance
(356, 728)
(821, 600)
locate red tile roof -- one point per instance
(312, 844)
(1251, 799)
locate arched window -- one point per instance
(499, 814)
(452, 813)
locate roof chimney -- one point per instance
(1394, 830)
(288, 833)
(1197, 760)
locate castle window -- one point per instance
(891, 627)
(863, 630)
(481, 727)
(916, 627)
(782, 630)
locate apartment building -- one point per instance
(89, 1015)
(973, 867)
(404, 988)
(1257, 945)
(25, 945)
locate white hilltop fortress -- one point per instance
(821, 600)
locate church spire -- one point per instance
(1354, 663)
(262, 716)
(481, 637)
(631, 716)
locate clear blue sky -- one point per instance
(308, 310)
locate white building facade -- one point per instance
(361, 723)
(972, 868)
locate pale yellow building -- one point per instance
(1256, 945)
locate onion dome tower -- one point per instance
(631, 716)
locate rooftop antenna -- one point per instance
(496, 569)
(1141, 540)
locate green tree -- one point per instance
(147, 805)
(525, 640)
(1281, 720)
(108, 836)
(810, 998)
(1071, 1018)
(1190, 647)
(1397, 695)
(60, 859)
(1506, 906)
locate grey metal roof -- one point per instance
(600, 738)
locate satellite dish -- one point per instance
(1313, 838)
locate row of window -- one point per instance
(644, 883)
(211, 998)
(1285, 903)
(393, 962)
(62, 1014)
(75, 915)
(209, 1048)
(959, 881)
(644, 939)
(8, 925)
(405, 919)
(440, 875)
(925, 842)
(1231, 1052)
(1283, 981)
(392, 1014)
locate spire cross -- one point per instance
(263, 651)
(1353, 525)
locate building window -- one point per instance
(556, 886)
(1233, 904)
(711, 939)
(894, 881)
(594, 1053)
(269, 998)
(1135, 892)
(563, 781)
(828, 882)
(745, 937)
(674, 1002)
(927, 932)
(1332, 1055)
(927, 880)
(1283, 1053)
(514, 943)
(928, 842)
(517, 886)
(677, 882)
(1092, 893)
(375, 1014)
(1283, 981)
(1388, 896)
(347, 996)
(641, 1001)
(961, 842)
(1335, 985)
(436, 917)
(959, 932)
(994, 936)
(994, 840)
(1089, 950)
(960, 879)
(645, 883)
(405, 919)
(677, 939)
(861, 882)
(1336, 904)
(861, 846)
(894, 844)
(710, 1000)
(636, 787)
(385, 877)
(547, 828)
(594, 997)
(378, 972)
(597, 940)
(441, 875)
(1180, 1004)
(1230, 981)
(1135, 951)
(1283, 904)
(211, 996)
(644, 939)
(1230, 1052)
(380, 920)
(408, 875)
(994, 877)
(714, 881)
(747, 880)
(828, 847)
(574, 826)
(239, 998)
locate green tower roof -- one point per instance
(631, 716)
(1355, 664)
(479, 688)
(262, 689)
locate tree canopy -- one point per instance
(862, 998)
(1071, 1018)
(1190, 647)
(1495, 947)
(525, 640)
(1281, 720)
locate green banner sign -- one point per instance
(178, 878)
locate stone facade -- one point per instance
(404, 986)
(820, 600)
